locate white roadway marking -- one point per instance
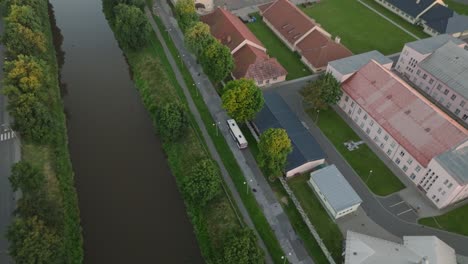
(397, 204)
(405, 212)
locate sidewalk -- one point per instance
(288, 239)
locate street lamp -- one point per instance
(284, 257)
(316, 119)
(216, 125)
(370, 173)
(247, 187)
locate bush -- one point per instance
(241, 248)
(171, 121)
(131, 26)
(203, 184)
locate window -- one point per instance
(362, 124)
(260, 82)
(462, 103)
(379, 131)
(446, 91)
(382, 145)
(418, 72)
(437, 200)
(431, 81)
(453, 97)
(410, 160)
(386, 137)
(389, 152)
(359, 111)
(365, 117)
(443, 193)
(424, 76)
(457, 111)
(402, 153)
(448, 105)
(418, 168)
(275, 78)
(433, 196)
(405, 168)
(397, 161)
(450, 185)
(349, 112)
(375, 138)
(441, 99)
(440, 189)
(346, 98)
(368, 131)
(439, 86)
(412, 176)
(393, 144)
(445, 182)
(352, 104)
(371, 122)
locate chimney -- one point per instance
(337, 39)
(228, 39)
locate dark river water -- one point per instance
(131, 210)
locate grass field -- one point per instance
(453, 221)
(360, 29)
(460, 8)
(382, 181)
(295, 217)
(277, 49)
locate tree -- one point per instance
(131, 26)
(242, 99)
(26, 178)
(172, 121)
(24, 15)
(26, 73)
(241, 248)
(19, 39)
(274, 147)
(186, 13)
(31, 241)
(203, 184)
(197, 37)
(138, 3)
(326, 90)
(217, 61)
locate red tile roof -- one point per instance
(253, 63)
(228, 28)
(318, 49)
(287, 19)
(414, 122)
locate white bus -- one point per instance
(236, 133)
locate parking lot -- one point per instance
(399, 208)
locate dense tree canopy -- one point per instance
(274, 147)
(31, 241)
(20, 39)
(241, 248)
(131, 26)
(242, 99)
(217, 61)
(171, 121)
(326, 90)
(186, 13)
(198, 37)
(26, 178)
(24, 15)
(203, 184)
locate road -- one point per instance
(9, 154)
(371, 205)
(290, 242)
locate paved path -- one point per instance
(290, 242)
(389, 20)
(371, 205)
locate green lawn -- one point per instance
(453, 221)
(294, 216)
(417, 30)
(277, 49)
(382, 181)
(326, 227)
(460, 8)
(360, 29)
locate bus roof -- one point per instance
(236, 131)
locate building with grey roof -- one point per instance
(364, 249)
(442, 20)
(307, 153)
(410, 10)
(335, 193)
(429, 45)
(342, 69)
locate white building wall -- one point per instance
(408, 60)
(347, 211)
(397, 11)
(305, 167)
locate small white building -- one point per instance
(335, 193)
(363, 249)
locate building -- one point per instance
(364, 249)
(250, 56)
(433, 15)
(409, 129)
(335, 193)
(439, 67)
(342, 69)
(302, 34)
(307, 153)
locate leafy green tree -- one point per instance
(242, 248)
(27, 73)
(274, 147)
(131, 26)
(26, 178)
(217, 61)
(19, 39)
(186, 13)
(31, 241)
(172, 121)
(24, 15)
(242, 99)
(197, 37)
(326, 90)
(203, 184)
(138, 3)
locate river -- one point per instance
(131, 210)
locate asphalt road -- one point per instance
(378, 212)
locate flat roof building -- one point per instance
(334, 191)
(307, 153)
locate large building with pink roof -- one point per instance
(425, 143)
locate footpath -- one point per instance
(290, 242)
